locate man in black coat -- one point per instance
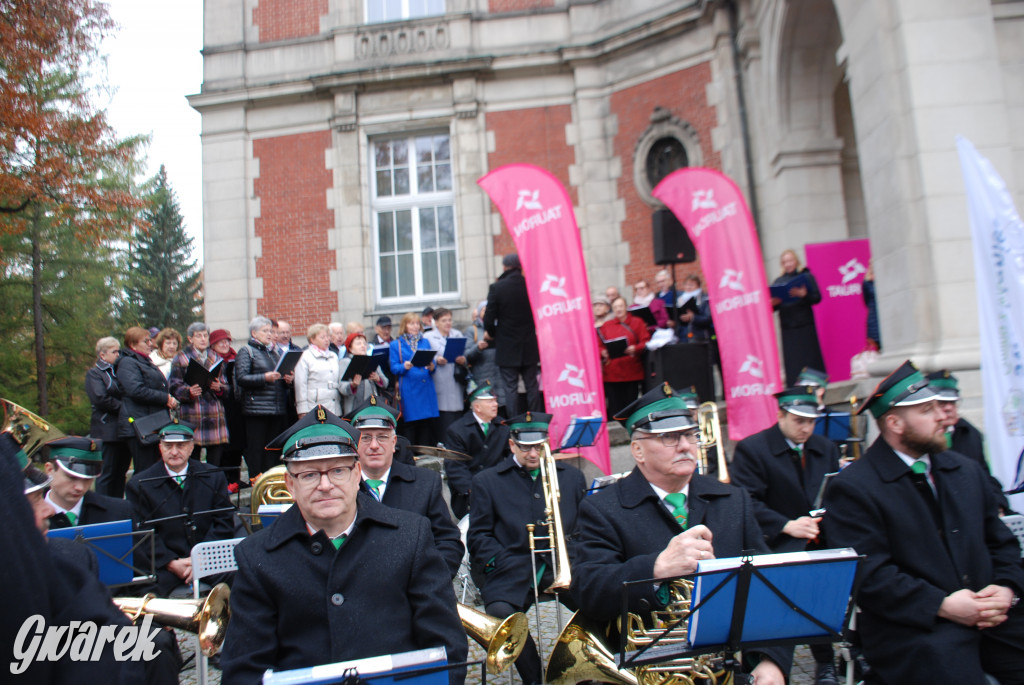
(660, 521)
(399, 485)
(74, 465)
(482, 436)
(942, 574)
(783, 468)
(339, 576)
(961, 435)
(508, 321)
(504, 499)
(194, 499)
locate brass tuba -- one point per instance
(28, 430)
(208, 618)
(711, 436)
(502, 639)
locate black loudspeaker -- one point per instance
(682, 365)
(672, 243)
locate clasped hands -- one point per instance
(985, 608)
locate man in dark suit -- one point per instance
(482, 436)
(74, 465)
(942, 574)
(338, 576)
(193, 499)
(660, 521)
(508, 321)
(504, 499)
(399, 485)
(782, 468)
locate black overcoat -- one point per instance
(504, 499)
(509, 321)
(154, 495)
(912, 564)
(968, 441)
(418, 490)
(466, 436)
(105, 397)
(298, 602)
(144, 389)
(97, 509)
(764, 466)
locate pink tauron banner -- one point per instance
(538, 213)
(841, 317)
(715, 215)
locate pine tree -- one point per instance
(163, 284)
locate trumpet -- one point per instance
(711, 436)
(208, 618)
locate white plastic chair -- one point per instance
(210, 558)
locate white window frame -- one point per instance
(405, 12)
(413, 202)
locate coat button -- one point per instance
(536, 495)
(337, 599)
(316, 548)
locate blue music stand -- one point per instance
(420, 667)
(581, 432)
(114, 543)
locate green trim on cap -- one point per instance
(374, 411)
(177, 428)
(946, 383)
(532, 426)
(888, 400)
(801, 396)
(22, 459)
(314, 431)
(58, 452)
(660, 405)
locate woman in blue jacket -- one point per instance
(418, 400)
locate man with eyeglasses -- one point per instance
(660, 521)
(783, 467)
(339, 576)
(480, 434)
(399, 485)
(503, 500)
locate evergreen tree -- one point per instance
(163, 285)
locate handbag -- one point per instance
(147, 427)
(462, 374)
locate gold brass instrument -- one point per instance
(711, 436)
(269, 488)
(28, 430)
(208, 618)
(556, 532)
(581, 652)
(502, 639)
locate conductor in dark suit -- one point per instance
(399, 485)
(508, 322)
(191, 496)
(74, 465)
(783, 467)
(338, 576)
(942, 575)
(479, 434)
(660, 520)
(504, 499)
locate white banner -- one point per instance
(999, 269)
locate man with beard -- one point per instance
(942, 574)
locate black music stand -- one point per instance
(739, 595)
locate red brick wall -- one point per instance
(500, 6)
(531, 136)
(683, 94)
(292, 225)
(284, 19)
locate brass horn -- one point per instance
(269, 488)
(208, 618)
(556, 531)
(28, 430)
(581, 654)
(710, 430)
(503, 639)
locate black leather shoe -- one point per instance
(827, 674)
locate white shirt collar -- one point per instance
(909, 460)
(383, 486)
(661, 493)
(347, 531)
(76, 510)
(183, 472)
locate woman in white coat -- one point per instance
(318, 374)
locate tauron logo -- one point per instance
(703, 199)
(732, 279)
(554, 285)
(528, 199)
(573, 375)
(753, 365)
(851, 270)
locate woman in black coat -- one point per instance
(145, 392)
(800, 348)
(105, 396)
(264, 395)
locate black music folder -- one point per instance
(361, 364)
(423, 357)
(645, 314)
(197, 374)
(616, 347)
(286, 364)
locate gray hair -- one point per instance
(257, 323)
(107, 343)
(335, 326)
(194, 328)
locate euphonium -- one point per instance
(556, 532)
(27, 429)
(269, 488)
(502, 639)
(711, 436)
(208, 618)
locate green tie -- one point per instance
(949, 441)
(72, 518)
(484, 427)
(919, 467)
(339, 541)
(180, 480)
(375, 486)
(678, 502)
(533, 473)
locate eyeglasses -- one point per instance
(672, 439)
(367, 438)
(527, 448)
(310, 479)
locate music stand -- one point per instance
(581, 432)
(755, 601)
(418, 667)
(112, 544)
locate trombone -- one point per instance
(710, 430)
